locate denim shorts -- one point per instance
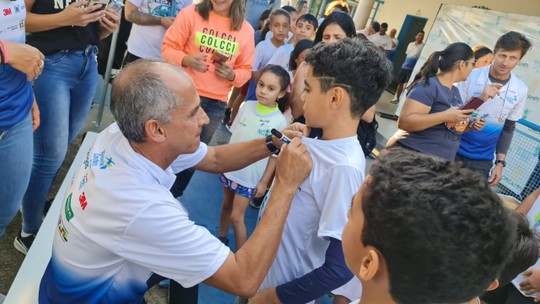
(237, 188)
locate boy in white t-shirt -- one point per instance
(343, 80)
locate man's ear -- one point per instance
(154, 130)
(494, 285)
(370, 265)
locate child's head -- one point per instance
(264, 18)
(424, 230)
(272, 86)
(525, 252)
(334, 27)
(294, 15)
(299, 53)
(348, 71)
(279, 25)
(306, 26)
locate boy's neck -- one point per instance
(340, 128)
(373, 294)
(276, 43)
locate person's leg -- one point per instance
(399, 89)
(53, 91)
(16, 149)
(215, 110)
(237, 219)
(225, 216)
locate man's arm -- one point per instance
(242, 273)
(135, 16)
(503, 143)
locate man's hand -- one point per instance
(196, 62)
(291, 131)
(532, 284)
(491, 91)
(166, 22)
(294, 163)
(25, 58)
(496, 175)
(34, 112)
(265, 296)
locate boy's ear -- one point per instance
(370, 265)
(338, 96)
(494, 285)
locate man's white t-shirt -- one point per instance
(119, 224)
(379, 40)
(319, 208)
(249, 125)
(145, 40)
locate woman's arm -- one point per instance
(76, 14)
(415, 116)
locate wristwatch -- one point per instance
(503, 162)
(270, 145)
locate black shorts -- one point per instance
(404, 76)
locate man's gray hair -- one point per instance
(139, 94)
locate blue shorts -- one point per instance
(237, 188)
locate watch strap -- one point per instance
(270, 145)
(499, 161)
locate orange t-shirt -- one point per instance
(190, 34)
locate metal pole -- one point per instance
(107, 78)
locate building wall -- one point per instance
(393, 12)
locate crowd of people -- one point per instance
(422, 226)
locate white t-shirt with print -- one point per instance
(319, 208)
(249, 125)
(145, 40)
(119, 224)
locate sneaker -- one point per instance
(227, 116)
(23, 244)
(395, 101)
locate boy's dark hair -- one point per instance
(376, 26)
(444, 234)
(525, 253)
(344, 21)
(280, 12)
(309, 18)
(513, 41)
(289, 9)
(300, 46)
(284, 81)
(384, 26)
(356, 66)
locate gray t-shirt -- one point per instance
(437, 140)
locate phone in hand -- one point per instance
(473, 103)
(220, 56)
(103, 3)
(115, 5)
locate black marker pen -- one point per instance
(280, 136)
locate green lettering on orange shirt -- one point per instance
(218, 44)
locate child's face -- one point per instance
(302, 57)
(304, 30)
(269, 89)
(294, 16)
(279, 25)
(332, 33)
(352, 233)
(316, 102)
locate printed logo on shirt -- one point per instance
(210, 40)
(263, 132)
(7, 11)
(87, 160)
(62, 231)
(82, 201)
(101, 161)
(83, 182)
(165, 8)
(67, 209)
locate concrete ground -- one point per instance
(11, 259)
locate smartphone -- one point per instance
(220, 56)
(115, 5)
(473, 103)
(103, 3)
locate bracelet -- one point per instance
(4, 51)
(270, 145)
